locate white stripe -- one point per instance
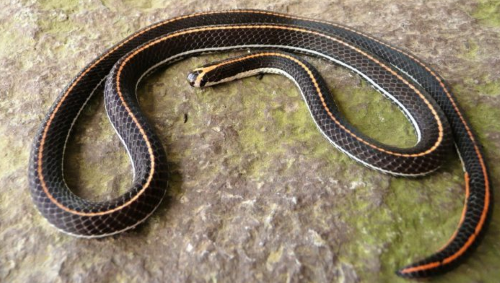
(71, 127)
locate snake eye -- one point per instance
(195, 78)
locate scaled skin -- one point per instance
(257, 193)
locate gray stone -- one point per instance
(256, 193)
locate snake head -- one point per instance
(196, 78)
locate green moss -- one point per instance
(13, 40)
(374, 115)
(297, 124)
(471, 50)
(488, 12)
(491, 88)
(419, 215)
(483, 116)
(145, 4)
(90, 176)
(66, 5)
(274, 257)
(57, 28)
(388, 233)
(13, 157)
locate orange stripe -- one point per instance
(467, 244)
(462, 217)
(420, 268)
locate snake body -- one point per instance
(419, 92)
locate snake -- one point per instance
(419, 92)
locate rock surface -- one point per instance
(256, 193)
